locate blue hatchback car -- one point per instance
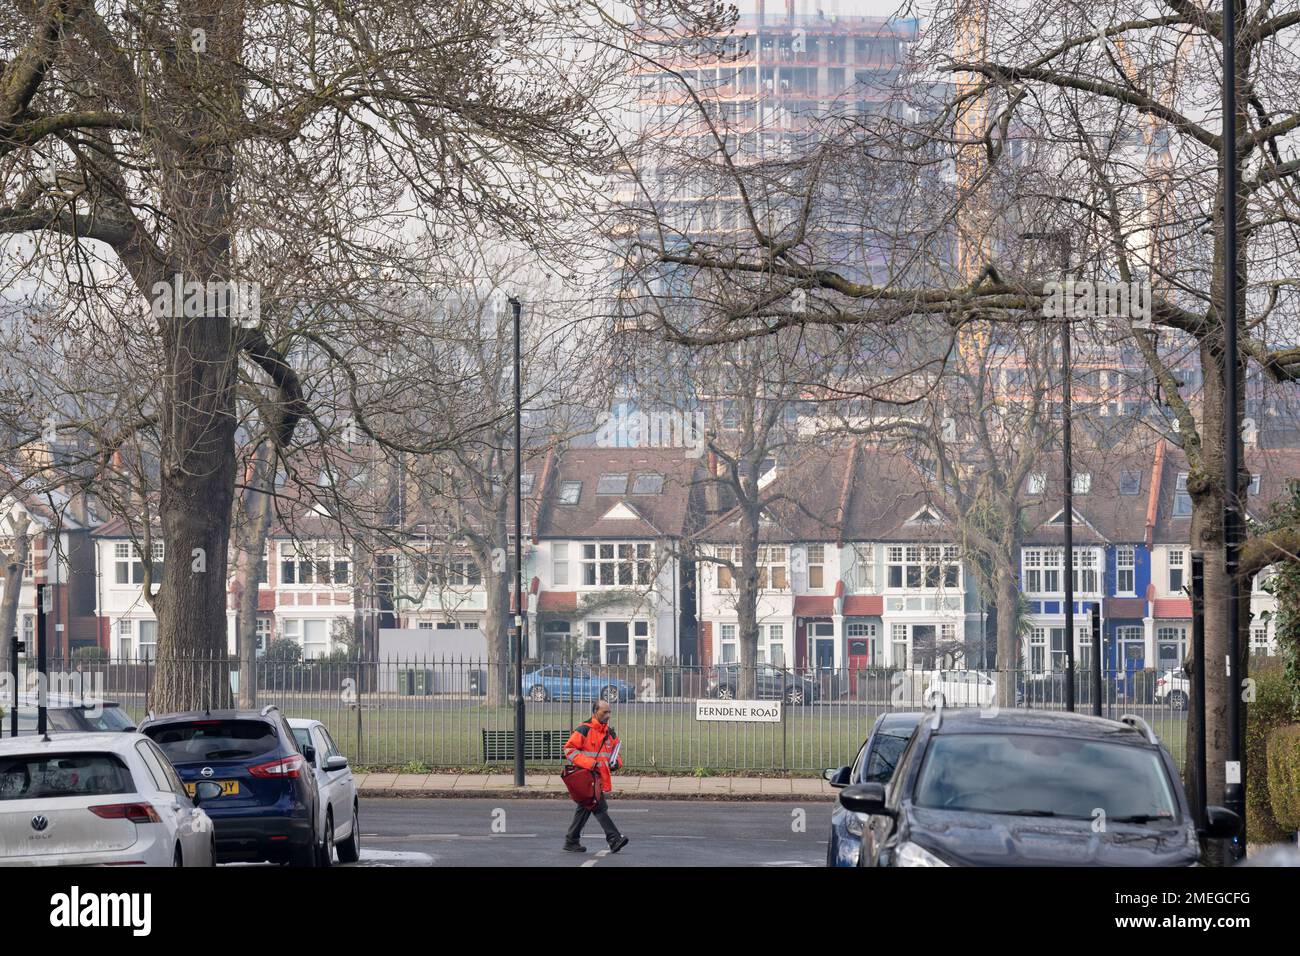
(874, 764)
(268, 804)
(562, 682)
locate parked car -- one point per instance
(1174, 687)
(875, 763)
(340, 811)
(770, 683)
(96, 799)
(269, 805)
(563, 682)
(65, 714)
(1029, 788)
(959, 688)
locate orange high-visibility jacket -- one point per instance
(590, 747)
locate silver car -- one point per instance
(97, 799)
(339, 808)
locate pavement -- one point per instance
(549, 786)
(530, 832)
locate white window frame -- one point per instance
(864, 557)
(1043, 570)
(626, 564)
(1126, 561)
(560, 564)
(1177, 561)
(313, 556)
(727, 640)
(900, 636)
(816, 560)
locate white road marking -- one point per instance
(387, 857)
(596, 859)
(674, 836)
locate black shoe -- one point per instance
(575, 848)
(618, 844)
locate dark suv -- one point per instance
(770, 683)
(1031, 788)
(268, 804)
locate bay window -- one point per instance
(618, 564)
(315, 563)
(916, 566)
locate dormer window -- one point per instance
(1130, 482)
(570, 492)
(648, 485)
(1182, 500)
(1082, 482)
(612, 484)
(1037, 483)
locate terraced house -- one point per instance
(858, 567)
(606, 580)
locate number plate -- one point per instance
(229, 788)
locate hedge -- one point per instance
(1284, 775)
(1272, 708)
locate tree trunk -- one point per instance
(747, 612)
(251, 546)
(1009, 663)
(197, 413)
(9, 608)
(496, 624)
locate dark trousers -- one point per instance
(580, 817)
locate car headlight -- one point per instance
(909, 854)
(856, 823)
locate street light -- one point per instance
(1059, 236)
(518, 629)
(1234, 779)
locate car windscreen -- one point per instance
(884, 757)
(214, 740)
(106, 717)
(1038, 775)
(41, 776)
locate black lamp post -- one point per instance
(1234, 777)
(518, 629)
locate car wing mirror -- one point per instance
(1221, 824)
(838, 776)
(336, 762)
(866, 798)
(206, 790)
(309, 753)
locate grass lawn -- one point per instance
(663, 736)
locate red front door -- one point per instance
(859, 661)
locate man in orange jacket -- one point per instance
(591, 746)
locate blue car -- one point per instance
(269, 803)
(874, 764)
(562, 682)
